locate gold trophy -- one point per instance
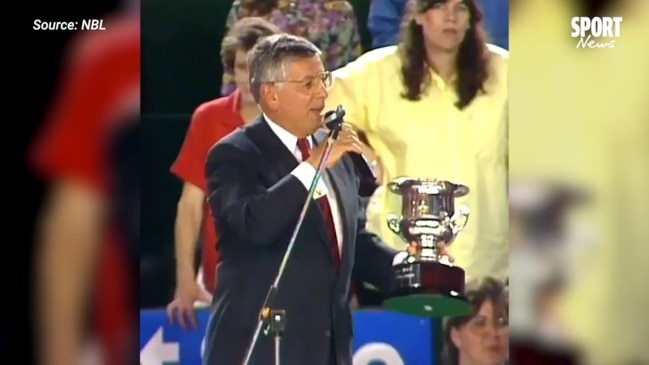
(426, 285)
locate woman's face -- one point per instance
(484, 340)
(241, 74)
(445, 24)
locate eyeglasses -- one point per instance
(311, 84)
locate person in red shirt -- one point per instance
(85, 263)
(211, 121)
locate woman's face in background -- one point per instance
(484, 339)
(445, 24)
(241, 74)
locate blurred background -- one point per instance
(578, 146)
(84, 158)
(578, 155)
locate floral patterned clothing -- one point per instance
(330, 24)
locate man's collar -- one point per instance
(287, 138)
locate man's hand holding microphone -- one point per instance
(347, 141)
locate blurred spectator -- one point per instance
(329, 24)
(599, 144)
(496, 21)
(483, 337)
(88, 244)
(211, 121)
(426, 118)
(385, 19)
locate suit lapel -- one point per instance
(279, 162)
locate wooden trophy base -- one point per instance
(429, 289)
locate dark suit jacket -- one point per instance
(255, 203)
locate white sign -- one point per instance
(590, 31)
(377, 351)
(158, 352)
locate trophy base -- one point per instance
(429, 289)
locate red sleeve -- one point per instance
(190, 163)
(73, 142)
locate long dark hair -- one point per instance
(471, 59)
(477, 292)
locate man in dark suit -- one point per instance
(258, 179)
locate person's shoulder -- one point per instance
(381, 55)
(373, 60)
(235, 143)
(227, 147)
(498, 64)
(238, 137)
(217, 111)
(498, 56)
(212, 106)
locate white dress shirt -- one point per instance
(305, 173)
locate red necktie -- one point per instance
(303, 145)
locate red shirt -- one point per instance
(211, 121)
(100, 87)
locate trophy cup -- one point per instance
(426, 286)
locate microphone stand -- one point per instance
(274, 320)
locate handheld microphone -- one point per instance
(268, 314)
(334, 120)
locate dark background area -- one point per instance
(37, 71)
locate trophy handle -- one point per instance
(394, 223)
(457, 223)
